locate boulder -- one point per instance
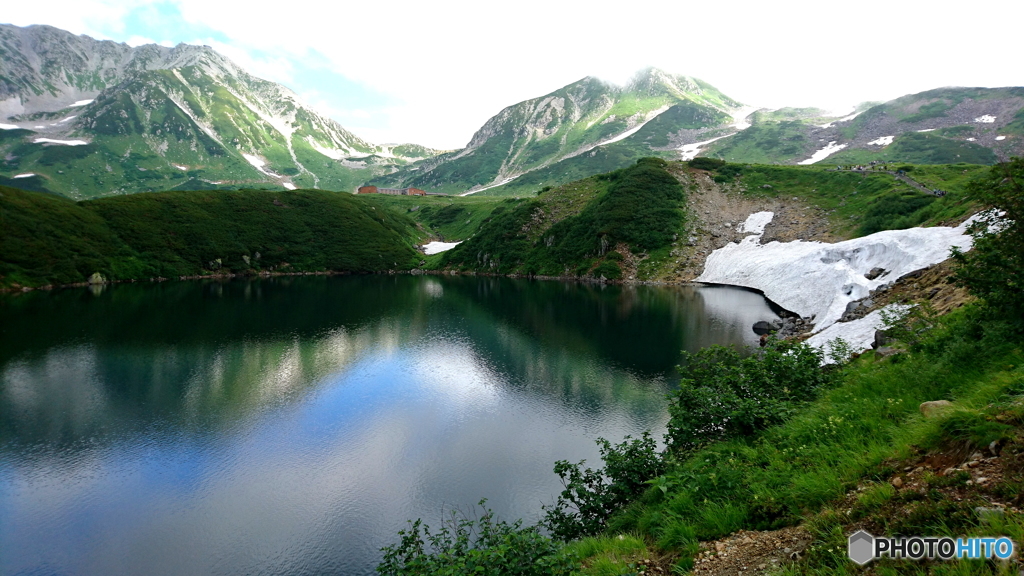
(886, 351)
(764, 327)
(874, 273)
(881, 339)
(97, 278)
(933, 408)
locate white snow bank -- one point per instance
(986, 119)
(66, 119)
(8, 127)
(81, 103)
(818, 280)
(883, 141)
(180, 167)
(756, 222)
(25, 175)
(636, 128)
(825, 152)
(859, 334)
(1000, 137)
(502, 183)
(438, 247)
(690, 151)
(63, 142)
(927, 130)
(289, 185)
(259, 165)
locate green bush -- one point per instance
(591, 496)
(481, 546)
(703, 163)
(725, 395)
(994, 268)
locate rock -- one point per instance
(881, 339)
(874, 273)
(995, 447)
(935, 407)
(763, 327)
(97, 278)
(897, 482)
(245, 259)
(886, 351)
(933, 292)
(989, 515)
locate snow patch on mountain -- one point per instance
(25, 175)
(80, 103)
(825, 152)
(1000, 137)
(438, 247)
(61, 142)
(636, 128)
(882, 141)
(817, 280)
(986, 119)
(9, 127)
(259, 164)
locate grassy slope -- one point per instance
(45, 239)
(574, 229)
(449, 218)
(864, 431)
(852, 197)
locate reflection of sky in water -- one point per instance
(302, 455)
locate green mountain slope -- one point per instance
(943, 126)
(570, 123)
(94, 118)
(46, 239)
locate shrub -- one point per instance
(704, 163)
(725, 395)
(481, 546)
(994, 269)
(591, 496)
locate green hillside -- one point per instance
(46, 239)
(639, 207)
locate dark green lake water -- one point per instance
(292, 425)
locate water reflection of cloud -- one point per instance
(456, 372)
(65, 381)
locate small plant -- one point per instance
(591, 496)
(481, 546)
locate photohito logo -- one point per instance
(862, 548)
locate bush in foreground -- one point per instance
(481, 546)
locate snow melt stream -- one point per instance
(818, 280)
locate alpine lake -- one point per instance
(293, 425)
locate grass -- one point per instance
(574, 230)
(45, 239)
(850, 198)
(859, 433)
(449, 218)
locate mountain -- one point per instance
(942, 126)
(90, 117)
(584, 128)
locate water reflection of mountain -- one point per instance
(72, 362)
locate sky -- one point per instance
(432, 72)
